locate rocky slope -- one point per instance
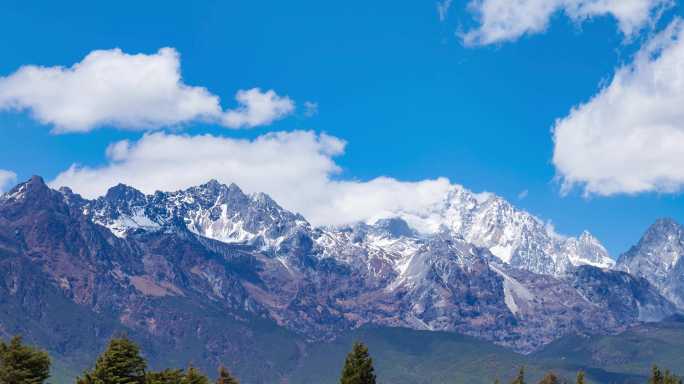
(184, 267)
(659, 258)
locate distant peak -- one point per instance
(666, 222)
(36, 180)
(234, 187)
(394, 226)
(587, 236)
(664, 225)
(214, 185)
(121, 192)
(662, 230)
(34, 189)
(33, 185)
(263, 198)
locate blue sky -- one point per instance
(411, 100)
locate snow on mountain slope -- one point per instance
(659, 258)
(226, 214)
(250, 253)
(212, 210)
(514, 236)
(515, 294)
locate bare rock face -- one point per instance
(659, 258)
(188, 265)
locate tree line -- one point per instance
(122, 363)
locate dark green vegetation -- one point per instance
(122, 363)
(621, 358)
(358, 366)
(22, 364)
(270, 355)
(657, 377)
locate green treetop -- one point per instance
(120, 363)
(520, 379)
(657, 377)
(224, 377)
(167, 376)
(358, 367)
(194, 376)
(22, 364)
(550, 378)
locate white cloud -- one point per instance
(443, 9)
(629, 138)
(522, 195)
(257, 108)
(508, 20)
(297, 169)
(7, 179)
(137, 92)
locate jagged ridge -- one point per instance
(212, 246)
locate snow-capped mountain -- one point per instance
(659, 258)
(212, 250)
(226, 214)
(514, 236)
(211, 210)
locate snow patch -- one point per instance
(514, 292)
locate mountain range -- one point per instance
(214, 274)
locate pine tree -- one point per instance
(167, 376)
(520, 379)
(22, 364)
(358, 367)
(194, 376)
(224, 377)
(550, 378)
(580, 377)
(656, 376)
(121, 363)
(671, 379)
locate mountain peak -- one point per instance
(212, 184)
(588, 238)
(234, 188)
(264, 199)
(34, 187)
(123, 192)
(36, 184)
(658, 258)
(664, 230)
(394, 227)
(665, 224)
(214, 188)
(36, 180)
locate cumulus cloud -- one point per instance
(7, 179)
(507, 20)
(629, 138)
(296, 168)
(257, 108)
(137, 92)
